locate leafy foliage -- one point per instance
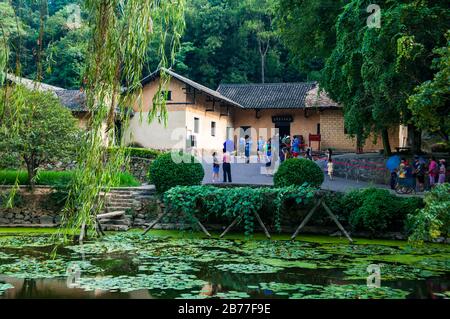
(175, 169)
(296, 171)
(430, 101)
(203, 201)
(307, 27)
(372, 71)
(432, 221)
(377, 210)
(37, 127)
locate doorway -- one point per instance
(284, 128)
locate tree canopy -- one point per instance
(36, 127)
(373, 71)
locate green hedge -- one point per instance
(53, 178)
(164, 173)
(296, 171)
(373, 210)
(433, 220)
(228, 203)
(139, 152)
(377, 210)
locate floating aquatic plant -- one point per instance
(279, 288)
(4, 287)
(5, 256)
(353, 292)
(248, 268)
(32, 268)
(19, 242)
(159, 281)
(389, 272)
(169, 267)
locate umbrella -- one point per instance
(393, 162)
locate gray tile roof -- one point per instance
(193, 84)
(74, 100)
(276, 95)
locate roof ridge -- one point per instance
(266, 84)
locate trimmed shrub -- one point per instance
(164, 173)
(377, 210)
(296, 171)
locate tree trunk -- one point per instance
(416, 139)
(386, 143)
(31, 169)
(263, 67)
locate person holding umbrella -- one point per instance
(392, 165)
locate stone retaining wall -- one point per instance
(368, 167)
(139, 168)
(39, 208)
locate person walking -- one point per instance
(261, 144)
(419, 174)
(268, 152)
(248, 146)
(226, 166)
(433, 171)
(442, 171)
(216, 168)
(308, 154)
(330, 167)
(296, 147)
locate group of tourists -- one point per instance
(423, 175)
(289, 148)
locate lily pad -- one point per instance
(248, 268)
(4, 287)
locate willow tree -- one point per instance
(120, 34)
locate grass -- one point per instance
(52, 178)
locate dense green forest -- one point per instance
(224, 41)
(393, 73)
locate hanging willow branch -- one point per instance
(121, 31)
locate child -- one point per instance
(330, 168)
(216, 168)
(442, 171)
(394, 176)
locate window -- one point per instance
(193, 141)
(318, 129)
(196, 125)
(213, 128)
(167, 95)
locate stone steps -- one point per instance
(122, 200)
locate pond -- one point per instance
(166, 264)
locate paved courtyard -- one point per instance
(256, 174)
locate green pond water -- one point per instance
(166, 264)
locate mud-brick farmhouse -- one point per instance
(202, 119)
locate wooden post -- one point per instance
(236, 221)
(336, 221)
(155, 222)
(307, 218)
(262, 225)
(99, 228)
(203, 228)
